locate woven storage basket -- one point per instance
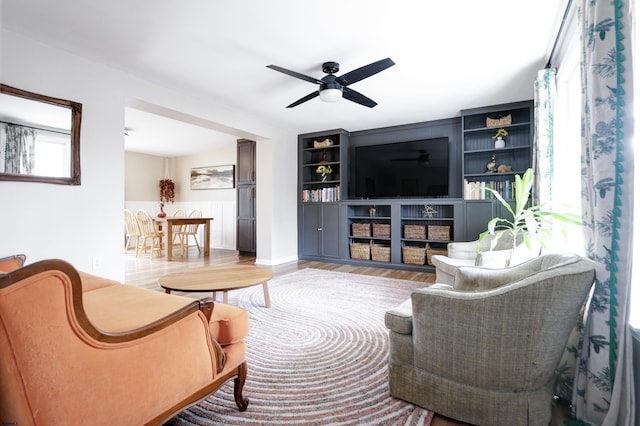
(438, 232)
(381, 230)
(415, 232)
(432, 251)
(502, 121)
(413, 255)
(360, 251)
(323, 144)
(361, 229)
(380, 252)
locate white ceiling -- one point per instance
(449, 55)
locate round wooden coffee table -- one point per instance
(218, 278)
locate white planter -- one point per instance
(499, 142)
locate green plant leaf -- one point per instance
(533, 223)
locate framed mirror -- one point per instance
(39, 137)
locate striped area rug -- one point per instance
(318, 356)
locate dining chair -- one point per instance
(190, 231)
(149, 233)
(133, 231)
(176, 231)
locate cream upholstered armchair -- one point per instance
(485, 350)
(478, 253)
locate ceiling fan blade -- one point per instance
(295, 74)
(305, 99)
(357, 97)
(364, 72)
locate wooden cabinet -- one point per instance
(330, 224)
(246, 197)
(369, 224)
(318, 152)
(477, 215)
(479, 126)
(321, 183)
(320, 226)
(246, 173)
(388, 227)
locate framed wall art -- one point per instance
(213, 177)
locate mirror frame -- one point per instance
(76, 119)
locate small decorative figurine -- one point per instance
(372, 211)
(491, 165)
(428, 211)
(504, 168)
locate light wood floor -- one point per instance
(145, 271)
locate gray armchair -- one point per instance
(478, 253)
(485, 350)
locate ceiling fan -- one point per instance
(333, 88)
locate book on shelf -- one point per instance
(478, 190)
(321, 195)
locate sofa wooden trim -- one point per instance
(78, 308)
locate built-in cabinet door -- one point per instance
(331, 230)
(246, 197)
(246, 223)
(311, 229)
(320, 229)
(477, 216)
(246, 162)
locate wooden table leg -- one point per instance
(225, 297)
(265, 290)
(214, 296)
(170, 242)
(207, 237)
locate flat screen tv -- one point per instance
(414, 169)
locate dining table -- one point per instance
(179, 221)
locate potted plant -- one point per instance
(167, 191)
(498, 137)
(532, 223)
(167, 194)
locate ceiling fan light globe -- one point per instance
(330, 95)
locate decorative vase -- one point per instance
(161, 213)
(499, 142)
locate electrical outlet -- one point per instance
(97, 263)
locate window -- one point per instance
(567, 149)
(52, 154)
(566, 185)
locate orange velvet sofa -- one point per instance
(79, 349)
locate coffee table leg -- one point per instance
(225, 297)
(214, 296)
(267, 299)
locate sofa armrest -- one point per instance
(11, 263)
(206, 307)
(400, 318)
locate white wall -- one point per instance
(76, 223)
(142, 175)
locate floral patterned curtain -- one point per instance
(603, 386)
(544, 99)
(18, 149)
